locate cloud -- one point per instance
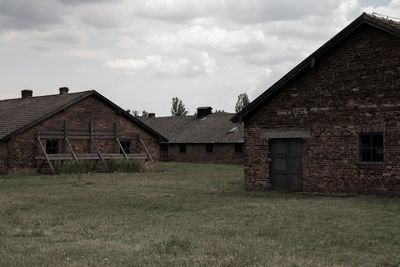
(44, 40)
(203, 64)
(80, 2)
(390, 9)
(215, 38)
(249, 11)
(19, 14)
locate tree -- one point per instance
(218, 111)
(133, 112)
(178, 108)
(145, 114)
(243, 100)
(136, 113)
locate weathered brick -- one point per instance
(354, 88)
(22, 148)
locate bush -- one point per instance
(86, 166)
(72, 166)
(121, 165)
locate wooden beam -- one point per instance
(45, 154)
(145, 148)
(98, 152)
(90, 156)
(70, 148)
(122, 149)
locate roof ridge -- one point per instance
(43, 96)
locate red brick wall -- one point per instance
(23, 147)
(222, 153)
(354, 88)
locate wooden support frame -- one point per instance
(90, 134)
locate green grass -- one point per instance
(188, 214)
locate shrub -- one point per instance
(122, 165)
(86, 166)
(72, 166)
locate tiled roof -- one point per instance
(22, 113)
(214, 128)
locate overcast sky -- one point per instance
(140, 54)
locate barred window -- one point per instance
(371, 147)
(52, 147)
(182, 148)
(238, 148)
(209, 148)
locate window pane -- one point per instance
(377, 154)
(365, 140)
(377, 140)
(365, 154)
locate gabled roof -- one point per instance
(387, 25)
(213, 128)
(20, 114)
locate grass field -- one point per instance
(188, 214)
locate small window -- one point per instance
(126, 145)
(238, 148)
(164, 151)
(209, 148)
(371, 147)
(182, 148)
(52, 147)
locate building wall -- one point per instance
(3, 157)
(355, 88)
(222, 153)
(23, 147)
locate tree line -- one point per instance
(179, 109)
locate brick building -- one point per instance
(204, 137)
(332, 124)
(35, 131)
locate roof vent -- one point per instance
(64, 90)
(26, 93)
(151, 115)
(203, 111)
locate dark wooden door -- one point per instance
(286, 167)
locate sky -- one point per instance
(142, 53)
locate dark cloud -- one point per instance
(79, 2)
(19, 14)
(243, 11)
(100, 21)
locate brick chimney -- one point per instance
(26, 93)
(63, 90)
(152, 115)
(203, 111)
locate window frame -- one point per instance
(182, 148)
(123, 146)
(56, 147)
(209, 148)
(371, 147)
